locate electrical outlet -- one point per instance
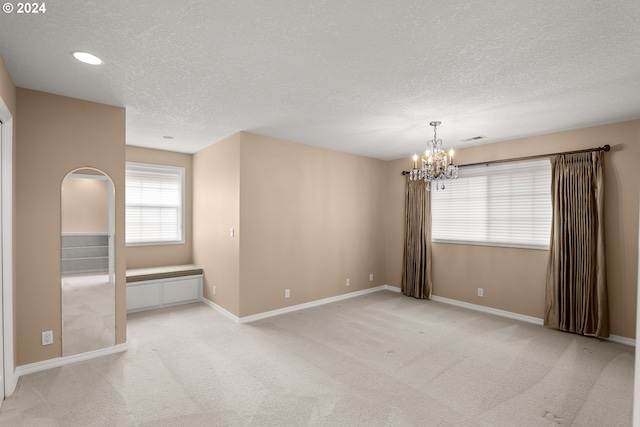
(287, 293)
(47, 338)
(232, 232)
(480, 292)
(371, 277)
(348, 282)
(214, 289)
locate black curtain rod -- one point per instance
(537, 156)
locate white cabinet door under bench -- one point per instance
(162, 292)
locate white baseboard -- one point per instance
(516, 316)
(392, 288)
(490, 310)
(65, 360)
(221, 310)
(622, 340)
(266, 314)
(470, 306)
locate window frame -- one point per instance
(151, 167)
(483, 171)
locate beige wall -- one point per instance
(174, 254)
(394, 225)
(55, 135)
(305, 219)
(216, 209)
(514, 279)
(84, 205)
(310, 218)
(7, 88)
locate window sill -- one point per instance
(132, 245)
(492, 244)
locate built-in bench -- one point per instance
(156, 287)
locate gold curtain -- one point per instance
(416, 270)
(576, 294)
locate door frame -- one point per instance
(636, 394)
(6, 228)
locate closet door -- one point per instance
(2, 379)
(636, 394)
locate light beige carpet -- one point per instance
(377, 360)
(88, 313)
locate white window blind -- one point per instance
(506, 204)
(155, 204)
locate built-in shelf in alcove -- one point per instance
(85, 252)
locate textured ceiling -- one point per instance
(362, 76)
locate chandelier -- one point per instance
(437, 166)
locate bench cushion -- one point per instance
(158, 273)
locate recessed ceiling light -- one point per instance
(87, 58)
(167, 136)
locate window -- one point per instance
(496, 205)
(155, 204)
